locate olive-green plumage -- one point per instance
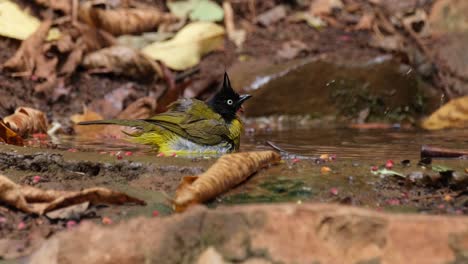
(191, 125)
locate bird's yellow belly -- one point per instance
(173, 144)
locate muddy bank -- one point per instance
(257, 234)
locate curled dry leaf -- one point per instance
(226, 173)
(324, 7)
(27, 57)
(140, 109)
(16, 23)
(454, 114)
(26, 121)
(63, 5)
(9, 136)
(189, 44)
(237, 36)
(34, 200)
(122, 60)
(121, 21)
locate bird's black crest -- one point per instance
(226, 101)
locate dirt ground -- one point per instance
(155, 180)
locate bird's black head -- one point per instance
(226, 101)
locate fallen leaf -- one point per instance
(365, 22)
(69, 212)
(200, 10)
(16, 23)
(237, 36)
(27, 121)
(226, 173)
(387, 172)
(86, 131)
(63, 5)
(325, 170)
(9, 136)
(324, 7)
(140, 41)
(142, 108)
(207, 10)
(189, 44)
(272, 16)
(291, 49)
(311, 20)
(33, 200)
(27, 57)
(119, 21)
(454, 114)
(122, 60)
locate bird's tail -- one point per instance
(119, 122)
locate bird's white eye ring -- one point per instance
(229, 102)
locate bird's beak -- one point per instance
(243, 98)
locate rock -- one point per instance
(340, 88)
(311, 233)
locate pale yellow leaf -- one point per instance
(454, 114)
(188, 46)
(16, 23)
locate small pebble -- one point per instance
(393, 202)
(325, 169)
(324, 156)
(389, 164)
(334, 191)
(406, 162)
(106, 220)
(448, 198)
(21, 225)
(36, 179)
(71, 224)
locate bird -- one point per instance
(191, 126)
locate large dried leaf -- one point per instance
(26, 121)
(324, 7)
(9, 136)
(197, 10)
(226, 173)
(121, 21)
(63, 5)
(187, 47)
(33, 200)
(123, 61)
(16, 23)
(454, 114)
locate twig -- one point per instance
(287, 154)
(436, 152)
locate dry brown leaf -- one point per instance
(454, 114)
(26, 121)
(122, 60)
(95, 131)
(9, 136)
(88, 115)
(226, 173)
(63, 5)
(122, 21)
(324, 7)
(237, 36)
(366, 22)
(25, 60)
(34, 200)
(142, 108)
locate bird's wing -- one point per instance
(194, 120)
